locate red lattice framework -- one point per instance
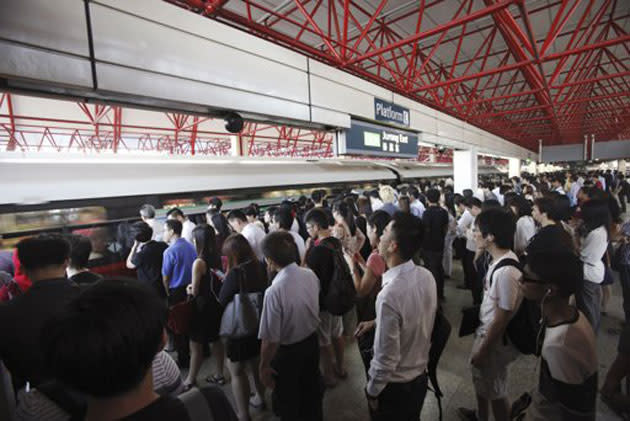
(104, 130)
(506, 81)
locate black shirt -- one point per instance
(321, 260)
(255, 281)
(86, 278)
(21, 321)
(435, 222)
(167, 408)
(148, 261)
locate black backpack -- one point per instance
(341, 295)
(524, 327)
(439, 338)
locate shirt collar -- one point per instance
(396, 271)
(284, 272)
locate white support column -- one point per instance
(465, 170)
(236, 148)
(621, 166)
(514, 167)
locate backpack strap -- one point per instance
(196, 405)
(503, 263)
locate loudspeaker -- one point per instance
(233, 122)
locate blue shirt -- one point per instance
(177, 263)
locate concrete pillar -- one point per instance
(465, 170)
(621, 166)
(514, 167)
(236, 147)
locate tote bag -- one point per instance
(241, 316)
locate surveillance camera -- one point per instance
(440, 148)
(233, 122)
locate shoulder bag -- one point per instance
(241, 317)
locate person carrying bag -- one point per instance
(241, 316)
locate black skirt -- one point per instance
(205, 321)
(243, 349)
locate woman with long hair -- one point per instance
(346, 229)
(206, 317)
(243, 354)
(368, 284)
(219, 222)
(594, 234)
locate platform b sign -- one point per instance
(391, 113)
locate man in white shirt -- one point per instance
(574, 189)
(282, 220)
(252, 232)
(147, 213)
(187, 225)
(405, 312)
(556, 184)
(470, 273)
(416, 207)
(491, 353)
(289, 353)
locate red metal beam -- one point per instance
(436, 30)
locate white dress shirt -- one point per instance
(158, 229)
(295, 227)
(405, 312)
(299, 242)
(255, 236)
(593, 248)
(187, 228)
(573, 192)
(417, 208)
(464, 223)
(525, 230)
(291, 306)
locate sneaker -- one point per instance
(466, 414)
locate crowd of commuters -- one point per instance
(277, 296)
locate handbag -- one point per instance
(241, 317)
(180, 316)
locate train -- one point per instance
(100, 196)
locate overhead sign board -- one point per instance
(391, 113)
(375, 140)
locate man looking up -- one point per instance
(491, 354)
(405, 312)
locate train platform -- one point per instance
(346, 401)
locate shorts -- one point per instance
(491, 379)
(329, 327)
(349, 322)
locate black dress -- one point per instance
(206, 318)
(243, 349)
